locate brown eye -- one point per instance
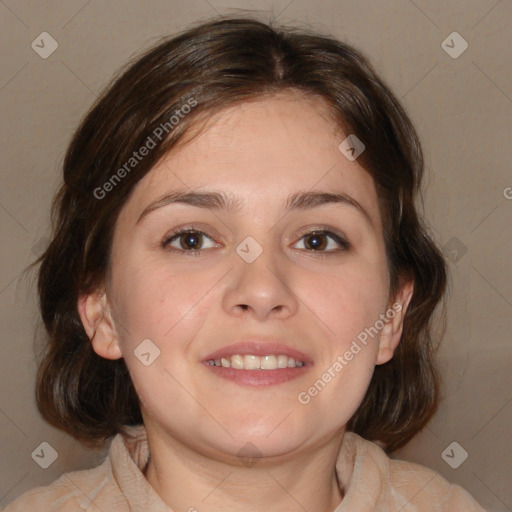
(315, 241)
(318, 241)
(188, 240)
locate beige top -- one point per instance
(369, 479)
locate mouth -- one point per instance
(252, 362)
(258, 363)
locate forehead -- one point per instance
(261, 152)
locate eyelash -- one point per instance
(319, 230)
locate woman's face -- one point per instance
(256, 278)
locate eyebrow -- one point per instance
(221, 200)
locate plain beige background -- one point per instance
(462, 108)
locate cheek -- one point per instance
(346, 307)
(347, 300)
(153, 300)
(168, 309)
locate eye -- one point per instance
(318, 241)
(189, 240)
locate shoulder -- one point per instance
(416, 487)
(72, 492)
(400, 485)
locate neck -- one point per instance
(190, 481)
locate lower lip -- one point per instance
(258, 378)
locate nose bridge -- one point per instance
(260, 281)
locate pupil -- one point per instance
(191, 240)
(315, 241)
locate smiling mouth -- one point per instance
(252, 362)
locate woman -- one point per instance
(239, 290)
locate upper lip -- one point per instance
(258, 348)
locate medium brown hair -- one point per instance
(214, 65)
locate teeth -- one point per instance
(237, 362)
(282, 361)
(268, 362)
(250, 362)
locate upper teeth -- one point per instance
(250, 362)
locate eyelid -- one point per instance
(198, 227)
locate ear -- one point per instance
(98, 324)
(393, 327)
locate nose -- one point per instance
(261, 288)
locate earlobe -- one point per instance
(392, 331)
(99, 326)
